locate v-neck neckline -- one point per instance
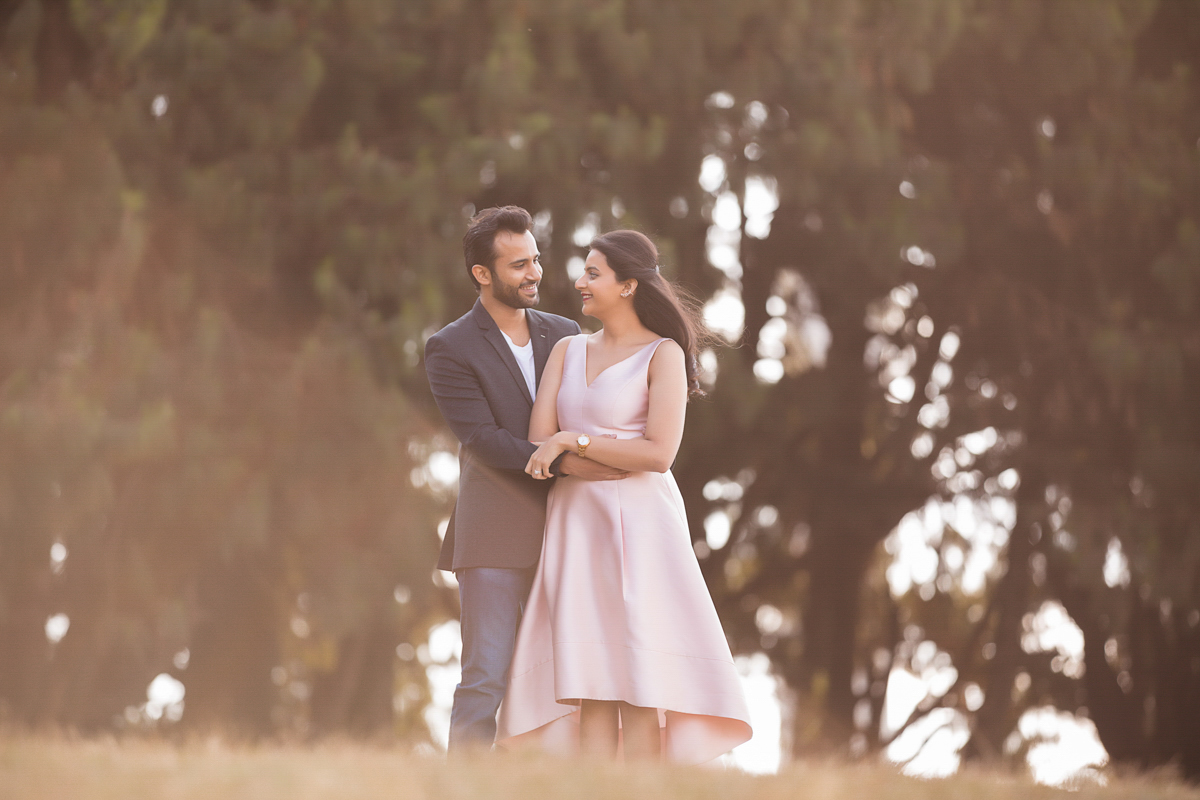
(588, 385)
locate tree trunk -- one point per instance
(234, 648)
(849, 517)
(61, 54)
(356, 697)
(838, 562)
(996, 718)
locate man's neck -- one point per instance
(508, 319)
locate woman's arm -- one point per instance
(654, 452)
(543, 420)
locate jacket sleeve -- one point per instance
(460, 398)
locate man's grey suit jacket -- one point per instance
(500, 512)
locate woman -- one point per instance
(620, 645)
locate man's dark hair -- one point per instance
(479, 242)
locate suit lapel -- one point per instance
(539, 334)
(492, 333)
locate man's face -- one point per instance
(517, 271)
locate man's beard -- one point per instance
(511, 295)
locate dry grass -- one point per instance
(53, 768)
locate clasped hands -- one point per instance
(539, 463)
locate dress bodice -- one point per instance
(615, 405)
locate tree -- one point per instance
(226, 228)
(1071, 151)
(223, 478)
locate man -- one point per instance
(484, 369)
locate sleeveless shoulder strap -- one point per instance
(652, 348)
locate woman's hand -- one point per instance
(539, 462)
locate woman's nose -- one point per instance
(580, 282)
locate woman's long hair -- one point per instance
(658, 304)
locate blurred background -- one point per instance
(945, 489)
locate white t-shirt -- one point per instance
(524, 356)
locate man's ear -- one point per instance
(482, 274)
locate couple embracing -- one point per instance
(583, 606)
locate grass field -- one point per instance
(53, 768)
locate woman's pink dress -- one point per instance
(619, 609)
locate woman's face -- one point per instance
(599, 287)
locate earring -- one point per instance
(626, 294)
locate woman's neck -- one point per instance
(622, 327)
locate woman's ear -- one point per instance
(629, 287)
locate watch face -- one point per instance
(584, 440)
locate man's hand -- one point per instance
(589, 470)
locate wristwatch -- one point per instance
(582, 443)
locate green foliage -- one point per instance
(226, 227)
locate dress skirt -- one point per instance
(619, 611)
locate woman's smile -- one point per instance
(597, 286)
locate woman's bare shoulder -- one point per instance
(668, 349)
(667, 356)
(562, 344)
